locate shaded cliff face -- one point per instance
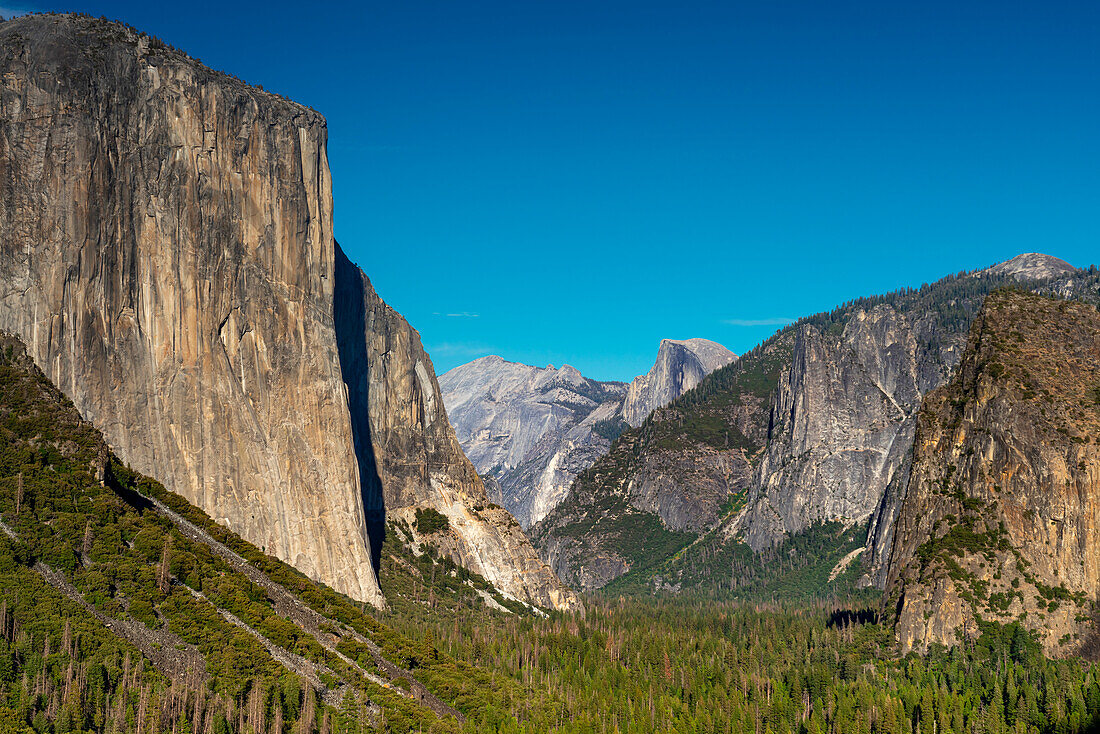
(409, 457)
(680, 366)
(1000, 518)
(168, 258)
(531, 429)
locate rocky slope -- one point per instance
(410, 459)
(825, 415)
(999, 520)
(682, 471)
(680, 366)
(169, 260)
(843, 417)
(533, 430)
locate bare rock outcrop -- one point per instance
(999, 520)
(410, 458)
(842, 421)
(680, 366)
(534, 430)
(1033, 266)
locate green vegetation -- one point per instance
(961, 539)
(634, 665)
(764, 642)
(63, 669)
(430, 520)
(610, 428)
(795, 571)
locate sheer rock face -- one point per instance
(413, 460)
(822, 416)
(680, 366)
(168, 257)
(1001, 514)
(657, 485)
(531, 429)
(842, 423)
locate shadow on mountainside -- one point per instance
(349, 313)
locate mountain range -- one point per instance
(530, 431)
(812, 428)
(235, 498)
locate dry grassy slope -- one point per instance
(1000, 519)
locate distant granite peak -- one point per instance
(532, 430)
(1033, 266)
(680, 366)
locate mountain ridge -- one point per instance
(532, 430)
(759, 404)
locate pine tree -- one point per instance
(164, 577)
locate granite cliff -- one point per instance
(1000, 515)
(410, 459)
(168, 258)
(680, 366)
(822, 416)
(533, 430)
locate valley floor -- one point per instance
(681, 666)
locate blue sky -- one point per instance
(570, 182)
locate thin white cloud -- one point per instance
(458, 349)
(461, 315)
(770, 321)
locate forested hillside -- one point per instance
(124, 608)
(637, 665)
